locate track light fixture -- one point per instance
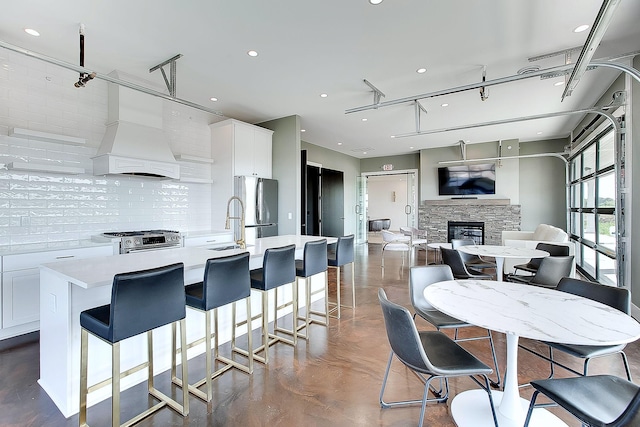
(84, 77)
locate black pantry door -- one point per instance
(332, 202)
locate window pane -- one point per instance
(576, 168)
(606, 270)
(589, 226)
(589, 260)
(575, 223)
(607, 191)
(606, 152)
(589, 160)
(607, 231)
(588, 194)
(575, 196)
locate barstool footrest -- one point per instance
(144, 415)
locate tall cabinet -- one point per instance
(239, 149)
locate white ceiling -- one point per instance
(307, 48)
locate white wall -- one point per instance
(45, 207)
(387, 198)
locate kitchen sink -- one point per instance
(228, 247)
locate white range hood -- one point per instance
(135, 142)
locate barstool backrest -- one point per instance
(279, 266)
(226, 280)
(344, 253)
(315, 258)
(145, 300)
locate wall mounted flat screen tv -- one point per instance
(467, 180)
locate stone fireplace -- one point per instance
(497, 215)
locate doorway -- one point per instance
(324, 201)
(387, 195)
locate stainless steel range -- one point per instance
(147, 240)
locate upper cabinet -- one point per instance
(249, 146)
(239, 149)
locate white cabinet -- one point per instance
(250, 147)
(252, 151)
(239, 149)
(21, 286)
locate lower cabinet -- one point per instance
(20, 308)
(20, 297)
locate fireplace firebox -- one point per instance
(466, 230)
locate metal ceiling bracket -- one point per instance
(377, 93)
(603, 19)
(418, 108)
(171, 84)
(484, 92)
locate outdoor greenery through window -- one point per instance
(593, 208)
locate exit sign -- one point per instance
(388, 167)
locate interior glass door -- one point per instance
(360, 209)
(410, 208)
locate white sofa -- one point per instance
(544, 233)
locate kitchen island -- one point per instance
(69, 287)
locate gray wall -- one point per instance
(341, 162)
(401, 162)
(542, 185)
(286, 169)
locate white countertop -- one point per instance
(99, 271)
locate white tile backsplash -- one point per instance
(44, 207)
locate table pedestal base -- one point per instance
(471, 408)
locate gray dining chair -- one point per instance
(618, 298)
(549, 274)
(473, 261)
(430, 355)
(598, 400)
(420, 277)
(452, 258)
(534, 263)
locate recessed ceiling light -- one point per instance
(323, 95)
(580, 28)
(364, 152)
(558, 83)
(213, 98)
(252, 53)
(375, 1)
(539, 133)
(393, 136)
(339, 143)
(303, 130)
(421, 70)
(444, 105)
(364, 119)
(32, 32)
(411, 148)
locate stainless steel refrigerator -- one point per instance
(260, 199)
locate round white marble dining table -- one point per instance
(524, 311)
(436, 247)
(501, 252)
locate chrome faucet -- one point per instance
(240, 242)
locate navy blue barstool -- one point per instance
(342, 253)
(278, 269)
(314, 262)
(226, 281)
(140, 302)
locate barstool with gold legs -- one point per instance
(226, 281)
(342, 253)
(140, 302)
(278, 269)
(314, 262)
